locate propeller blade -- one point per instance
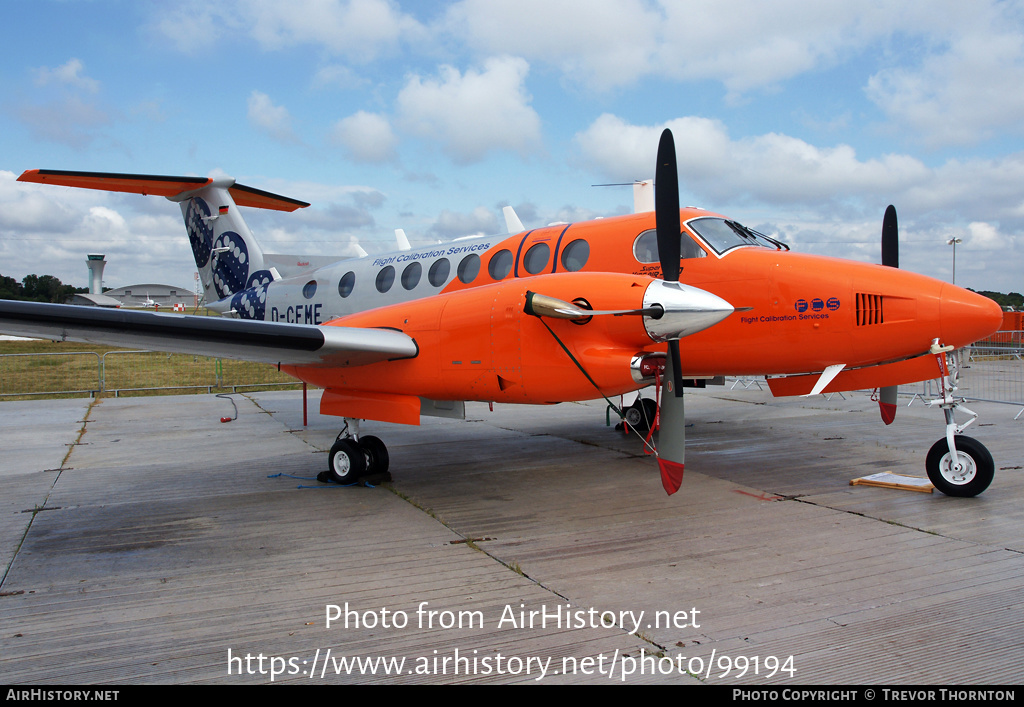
(891, 258)
(672, 421)
(666, 219)
(887, 403)
(666, 207)
(890, 238)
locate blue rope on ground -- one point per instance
(321, 485)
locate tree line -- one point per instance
(38, 288)
(1013, 299)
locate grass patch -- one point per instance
(48, 369)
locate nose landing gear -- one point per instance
(956, 465)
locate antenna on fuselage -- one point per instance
(643, 194)
(403, 242)
(512, 222)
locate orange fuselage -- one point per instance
(800, 314)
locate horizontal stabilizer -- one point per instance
(247, 340)
(157, 185)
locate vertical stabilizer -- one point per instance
(228, 257)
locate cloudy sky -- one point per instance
(801, 119)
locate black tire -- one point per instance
(346, 463)
(377, 458)
(979, 469)
(640, 415)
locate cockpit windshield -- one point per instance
(724, 235)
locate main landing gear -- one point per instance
(640, 415)
(353, 457)
(957, 465)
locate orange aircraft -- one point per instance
(567, 312)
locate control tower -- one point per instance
(95, 263)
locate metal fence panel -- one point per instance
(50, 374)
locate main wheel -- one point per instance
(640, 415)
(346, 463)
(377, 458)
(974, 476)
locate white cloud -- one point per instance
(366, 137)
(744, 44)
(965, 91)
(27, 206)
(69, 121)
(360, 30)
(600, 42)
(69, 74)
(771, 168)
(273, 120)
(337, 76)
(451, 224)
(473, 113)
(984, 236)
(102, 220)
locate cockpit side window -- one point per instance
(645, 248)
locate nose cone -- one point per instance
(687, 310)
(967, 316)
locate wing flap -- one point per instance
(247, 340)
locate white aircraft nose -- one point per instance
(687, 310)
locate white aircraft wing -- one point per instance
(248, 340)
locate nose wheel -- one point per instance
(966, 473)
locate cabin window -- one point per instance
(469, 268)
(347, 282)
(309, 289)
(385, 279)
(645, 248)
(438, 273)
(411, 275)
(575, 255)
(536, 258)
(500, 265)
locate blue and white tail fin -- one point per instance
(227, 256)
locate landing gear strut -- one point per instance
(353, 457)
(957, 465)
